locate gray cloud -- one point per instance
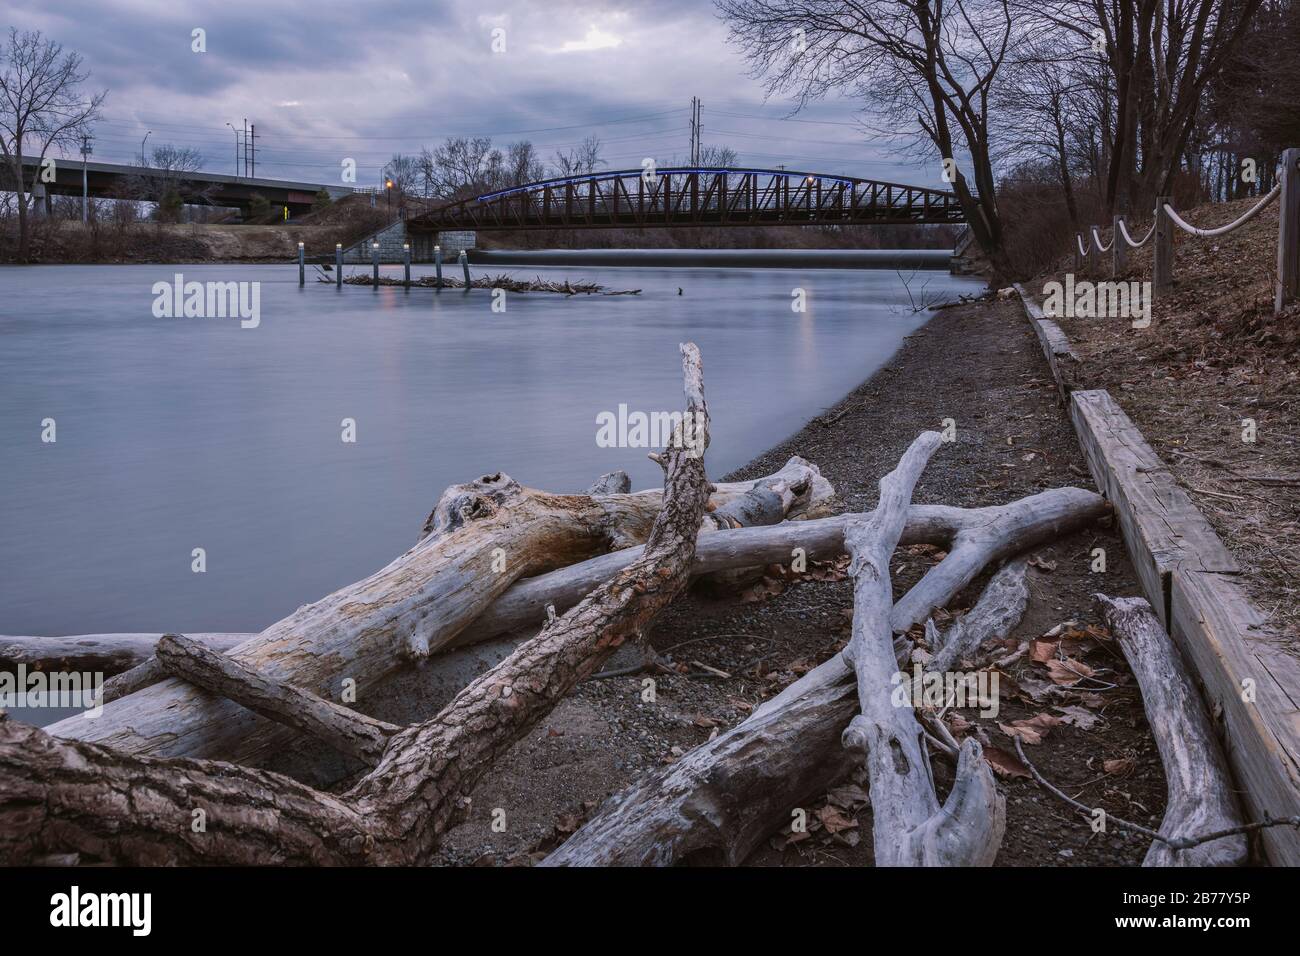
(326, 81)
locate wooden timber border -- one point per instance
(1249, 681)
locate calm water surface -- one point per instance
(175, 434)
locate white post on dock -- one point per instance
(1162, 259)
(302, 267)
(406, 261)
(338, 264)
(374, 261)
(437, 264)
(464, 265)
(1288, 231)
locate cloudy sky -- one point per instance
(326, 81)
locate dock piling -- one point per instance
(302, 267)
(406, 262)
(464, 265)
(374, 262)
(437, 264)
(338, 264)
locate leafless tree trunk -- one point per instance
(41, 105)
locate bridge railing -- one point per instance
(1166, 218)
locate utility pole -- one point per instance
(695, 130)
(253, 148)
(85, 190)
(245, 145)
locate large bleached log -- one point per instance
(908, 825)
(95, 653)
(481, 538)
(798, 490)
(63, 796)
(1200, 797)
(724, 797)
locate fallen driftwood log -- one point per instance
(797, 490)
(102, 653)
(481, 538)
(1000, 607)
(1200, 789)
(724, 797)
(909, 826)
(59, 796)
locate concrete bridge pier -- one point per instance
(392, 240)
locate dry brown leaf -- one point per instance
(1005, 763)
(1068, 672)
(834, 819)
(1079, 717)
(1031, 731)
(1120, 765)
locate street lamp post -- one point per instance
(236, 132)
(142, 142)
(86, 150)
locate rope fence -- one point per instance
(1286, 192)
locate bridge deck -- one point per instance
(690, 196)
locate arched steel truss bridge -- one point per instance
(693, 196)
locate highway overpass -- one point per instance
(118, 181)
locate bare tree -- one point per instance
(928, 66)
(582, 160)
(1162, 55)
(523, 165)
(41, 107)
(404, 173)
(720, 156)
(459, 167)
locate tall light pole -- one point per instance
(236, 132)
(146, 136)
(85, 191)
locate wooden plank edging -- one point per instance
(1249, 681)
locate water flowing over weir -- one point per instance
(183, 433)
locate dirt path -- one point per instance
(981, 366)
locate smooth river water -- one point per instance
(181, 433)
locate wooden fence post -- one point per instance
(1288, 231)
(1118, 249)
(1162, 268)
